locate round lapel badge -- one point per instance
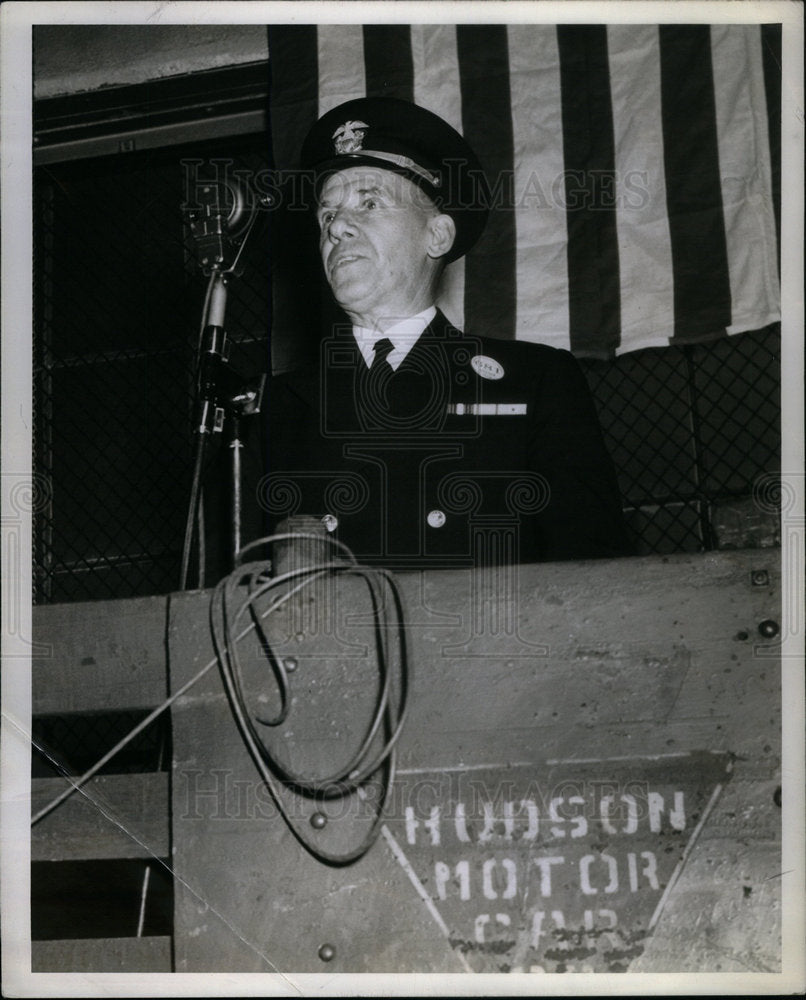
(486, 367)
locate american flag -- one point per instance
(634, 168)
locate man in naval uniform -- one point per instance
(416, 444)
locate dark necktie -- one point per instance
(372, 389)
(382, 350)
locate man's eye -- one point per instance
(370, 203)
(326, 218)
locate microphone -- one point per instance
(220, 221)
(216, 220)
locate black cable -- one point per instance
(323, 785)
(194, 509)
(201, 546)
(193, 504)
(389, 714)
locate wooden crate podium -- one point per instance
(588, 778)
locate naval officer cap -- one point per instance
(411, 141)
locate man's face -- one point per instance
(376, 244)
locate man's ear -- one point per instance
(442, 231)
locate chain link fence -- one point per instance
(118, 298)
(691, 429)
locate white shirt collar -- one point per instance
(404, 335)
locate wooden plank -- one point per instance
(637, 660)
(145, 954)
(101, 655)
(125, 816)
(724, 913)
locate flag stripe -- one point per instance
(294, 101)
(294, 108)
(693, 188)
(341, 65)
(388, 61)
(589, 154)
(743, 139)
(436, 87)
(771, 57)
(645, 250)
(541, 261)
(490, 291)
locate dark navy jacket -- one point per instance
(474, 451)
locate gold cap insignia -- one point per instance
(349, 137)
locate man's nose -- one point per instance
(342, 224)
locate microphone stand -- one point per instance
(223, 397)
(244, 401)
(208, 415)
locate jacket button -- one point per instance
(330, 521)
(436, 518)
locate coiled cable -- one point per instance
(390, 710)
(228, 607)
